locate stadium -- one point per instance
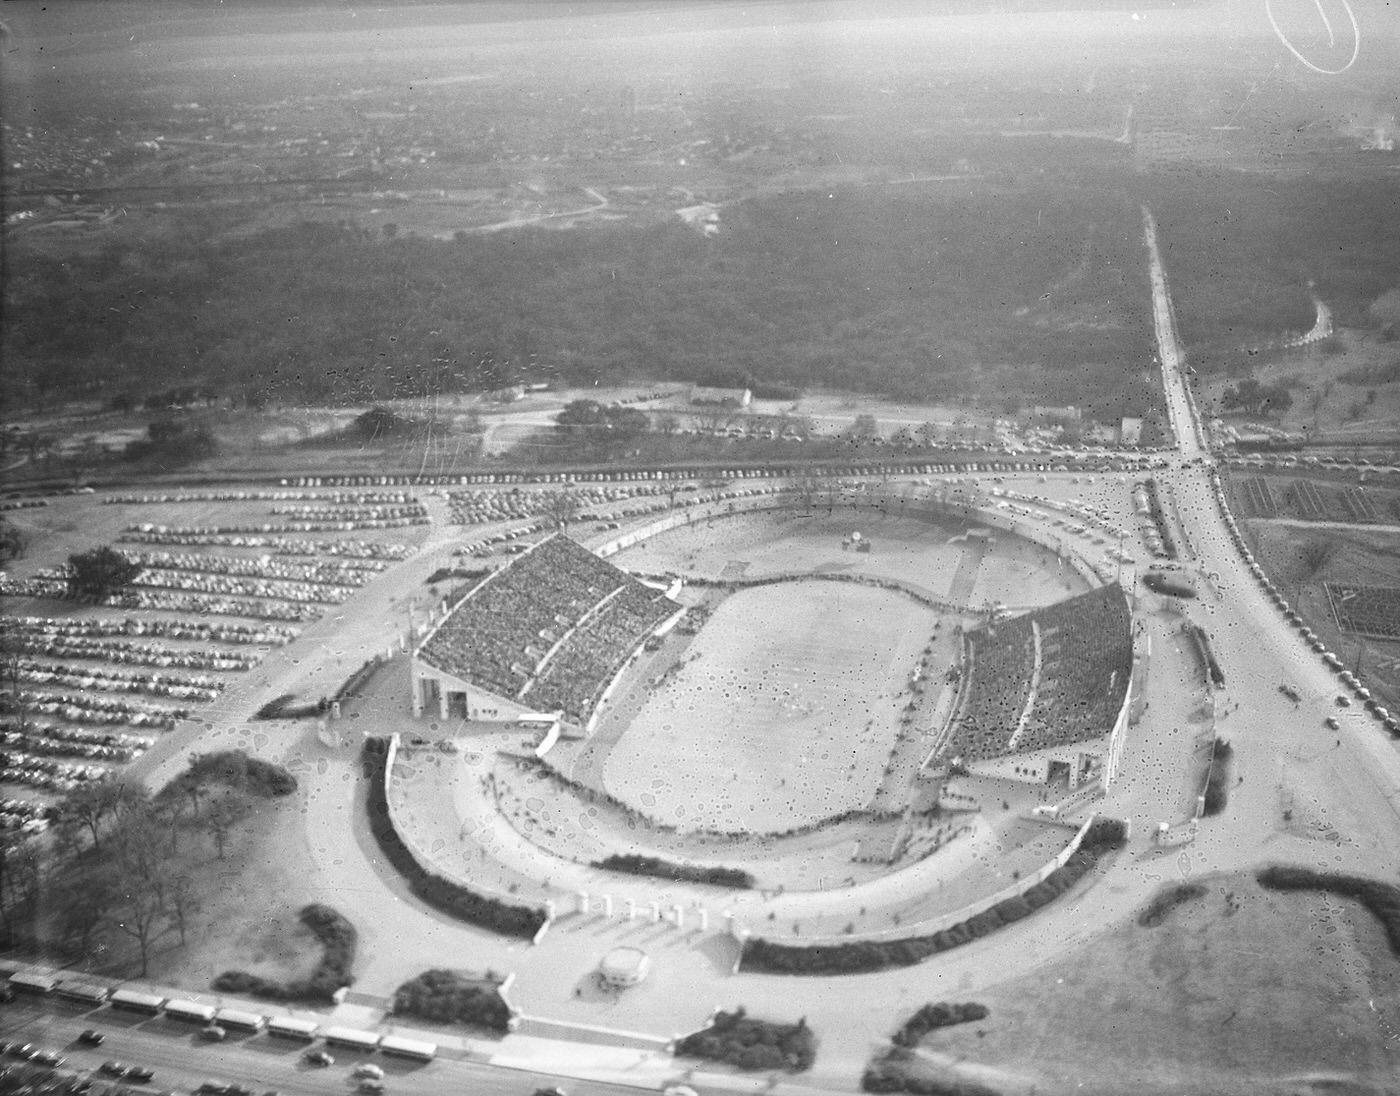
(772, 685)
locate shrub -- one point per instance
(442, 894)
(1382, 900)
(664, 869)
(235, 769)
(337, 938)
(1218, 778)
(861, 956)
(742, 1041)
(933, 1016)
(1166, 901)
(445, 996)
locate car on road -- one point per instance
(371, 1085)
(368, 1069)
(1331, 723)
(91, 1038)
(213, 1032)
(318, 1058)
(552, 1090)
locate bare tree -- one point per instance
(183, 903)
(138, 911)
(222, 815)
(561, 506)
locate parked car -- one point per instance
(552, 1090)
(319, 1058)
(213, 1032)
(1331, 723)
(1344, 702)
(371, 1085)
(369, 1069)
(114, 1069)
(50, 1058)
(1290, 692)
(140, 1074)
(91, 1038)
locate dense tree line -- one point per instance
(1243, 258)
(739, 1039)
(1033, 297)
(1381, 899)
(446, 997)
(714, 875)
(117, 866)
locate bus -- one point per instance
(189, 1012)
(237, 1018)
(84, 993)
(289, 1027)
(136, 1001)
(351, 1037)
(403, 1047)
(32, 981)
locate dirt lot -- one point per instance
(1240, 991)
(1357, 556)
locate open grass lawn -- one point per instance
(783, 712)
(1239, 991)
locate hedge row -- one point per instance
(682, 873)
(446, 997)
(281, 707)
(1218, 778)
(1381, 899)
(933, 1016)
(862, 956)
(888, 1075)
(735, 1038)
(337, 937)
(442, 894)
(1167, 900)
(234, 769)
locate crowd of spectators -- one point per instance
(999, 665)
(193, 536)
(117, 681)
(554, 594)
(1086, 658)
(203, 631)
(574, 678)
(1086, 663)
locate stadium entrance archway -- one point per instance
(456, 704)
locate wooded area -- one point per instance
(1006, 297)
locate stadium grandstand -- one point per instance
(548, 632)
(1038, 687)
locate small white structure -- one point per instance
(623, 967)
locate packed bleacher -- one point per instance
(574, 678)
(1085, 665)
(551, 628)
(1001, 662)
(1086, 661)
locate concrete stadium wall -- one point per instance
(947, 920)
(927, 509)
(391, 755)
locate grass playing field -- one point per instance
(783, 712)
